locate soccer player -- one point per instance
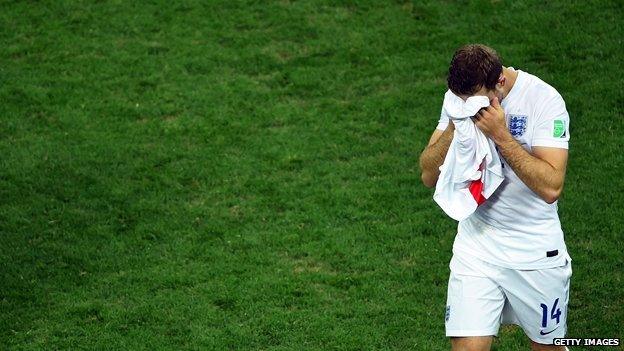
(510, 263)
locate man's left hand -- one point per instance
(491, 121)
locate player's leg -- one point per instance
(474, 306)
(539, 300)
(541, 347)
(471, 343)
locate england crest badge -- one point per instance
(517, 125)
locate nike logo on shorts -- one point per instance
(542, 332)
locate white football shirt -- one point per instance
(515, 228)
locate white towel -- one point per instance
(470, 150)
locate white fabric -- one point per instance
(515, 228)
(482, 296)
(468, 150)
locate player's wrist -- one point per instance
(503, 138)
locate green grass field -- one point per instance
(242, 175)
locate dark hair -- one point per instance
(473, 66)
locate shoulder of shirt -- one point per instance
(542, 92)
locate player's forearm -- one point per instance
(433, 156)
(540, 176)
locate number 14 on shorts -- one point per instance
(555, 314)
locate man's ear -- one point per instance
(502, 80)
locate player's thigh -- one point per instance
(471, 343)
(539, 300)
(474, 306)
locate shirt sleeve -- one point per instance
(553, 125)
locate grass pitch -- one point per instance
(242, 175)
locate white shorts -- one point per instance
(482, 296)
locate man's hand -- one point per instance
(491, 121)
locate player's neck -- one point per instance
(510, 79)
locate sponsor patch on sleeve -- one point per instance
(559, 129)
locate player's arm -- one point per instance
(543, 170)
(433, 155)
